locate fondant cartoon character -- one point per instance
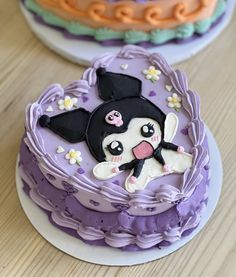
(126, 132)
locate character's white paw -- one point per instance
(180, 149)
(132, 179)
(166, 168)
(115, 170)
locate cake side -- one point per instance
(114, 229)
(127, 15)
(109, 35)
(177, 195)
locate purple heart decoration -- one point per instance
(151, 209)
(184, 131)
(120, 206)
(85, 98)
(69, 188)
(152, 93)
(51, 177)
(116, 182)
(80, 170)
(94, 203)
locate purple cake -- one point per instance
(119, 158)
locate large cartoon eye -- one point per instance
(147, 130)
(115, 148)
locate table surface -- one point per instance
(27, 67)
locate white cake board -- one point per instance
(83, 52)
(115, 257)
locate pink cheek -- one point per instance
(155, 138)
(116, 159)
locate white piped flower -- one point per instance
(152, 73)
(74, 157)
(174, 101)
(67, 103)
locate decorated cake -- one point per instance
(120, 157)
(150, 22)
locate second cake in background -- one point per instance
(129, 21)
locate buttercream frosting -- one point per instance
(53, 180)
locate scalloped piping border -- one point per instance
(196, 128)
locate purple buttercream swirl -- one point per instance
(111, 192)
(117, 239)
(117, 229)
(77, 87)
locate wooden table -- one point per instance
(27, 67)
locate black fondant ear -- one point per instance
(114, 86)
(69, 125)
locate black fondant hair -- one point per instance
(122, 93)
(70, 125)
(129, 108)
(114, 86)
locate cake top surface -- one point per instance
(129, 131)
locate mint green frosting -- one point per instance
(133, 37)
(157, 36)
(102, 34)
(78, 29)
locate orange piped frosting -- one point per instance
(126, 15)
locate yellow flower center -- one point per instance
(67, 102)
(152, 71)
(175, 100)
(73, 155)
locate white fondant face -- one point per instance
(139, 130)
(139, 141)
